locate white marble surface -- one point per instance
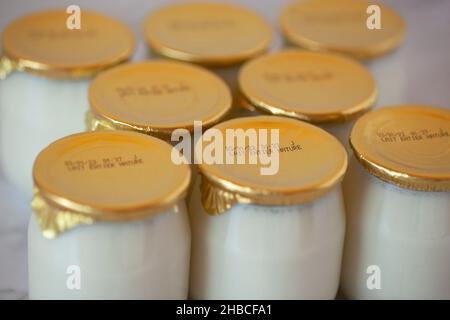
(418, 72)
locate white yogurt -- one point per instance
(106, 225)
(404, 233)
(36, 111)
(276, 236)
(145, 259)
(341, 130)
(46, 69)
(397, 199)
(264, 252)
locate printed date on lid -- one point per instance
(104, 163)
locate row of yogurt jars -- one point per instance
(300, 75)
(41, 44)
(110, 220)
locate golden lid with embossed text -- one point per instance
(342, 26)
(407, 145)
(42, 43)
(207, 33)
(105, 176)
(306, 163)
(157, 97)
(309, 86)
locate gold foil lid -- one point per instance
(207, 33)
(408, 146)
(342, 26)
(104, 176)
(157, 97)
(309, 86)
(41, 43)
(310, 163)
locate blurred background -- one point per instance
(418, 72)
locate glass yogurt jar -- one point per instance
(47, 98)
(109, 220)
(217, 35)
(160, 98)
(397, 196)
(157, 98)
(350, 27)
(328, 90)
(272, 227)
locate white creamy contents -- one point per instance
(340, 130)
(405, 233)
(264, 252)
(145, 259)
(100, 207)
(36, 111)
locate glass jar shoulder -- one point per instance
(113, 255)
